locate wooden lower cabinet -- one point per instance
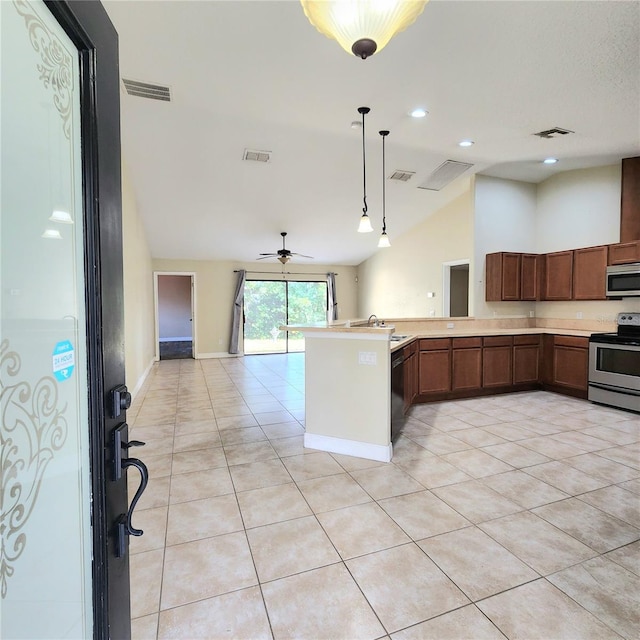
(497, 361)
(466, 364)
(571, 362)
(526, 359)
(434, 368)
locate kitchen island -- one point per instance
(347, 383)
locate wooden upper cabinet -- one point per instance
(624, 253)
(502, 276)
(529, 276)
(590, 273)
(630, 201)
(557, 281)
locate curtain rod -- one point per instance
(285, 273)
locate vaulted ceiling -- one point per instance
(256, 75)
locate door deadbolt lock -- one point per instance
(120, 400)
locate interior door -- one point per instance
(64, 568)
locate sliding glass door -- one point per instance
(269, 304)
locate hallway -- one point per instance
(508, 516)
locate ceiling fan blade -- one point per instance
(269, 255)
(301, 255)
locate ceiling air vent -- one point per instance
(403, 176)
(146, 90)
(556, 132)
(447, 172)
(256, 156)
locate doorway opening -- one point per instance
(175, 306)
(455, 287)
(269, 304)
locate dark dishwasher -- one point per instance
(397, 394)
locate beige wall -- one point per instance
(394, 282)
(138, 291)
(174, 307)
(215, 283)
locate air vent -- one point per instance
(556, 132)
(146, 90)
(257, 156)
(447, 172)
(403, 176)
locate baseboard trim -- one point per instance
(219, 354)
(381, 453)
(143, 377)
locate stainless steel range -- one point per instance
(614, 364)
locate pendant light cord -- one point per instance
(384, 134)
(363, 111)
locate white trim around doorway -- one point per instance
(193, 308)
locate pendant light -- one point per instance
(384, 238)
(365, 223)
(362, 27)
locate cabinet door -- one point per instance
(630, 200)
(525, 363)
(435, 371)
(558, 276)
(502, 276)
(590, 273)
(624, 253)
(496, 366)
(529, 277)
(466, 369)
(571, 362)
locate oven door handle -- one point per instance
(608, 387)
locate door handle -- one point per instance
(124, 525)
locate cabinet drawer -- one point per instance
(518, 340)
(434, 344)
(497, 341)
(467, 343)
(571, 341)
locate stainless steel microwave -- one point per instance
(623, 280)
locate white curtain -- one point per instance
(238, 312)
(332, 300)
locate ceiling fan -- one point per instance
(284, 255)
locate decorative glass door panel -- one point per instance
(45, 563)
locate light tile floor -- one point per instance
(510, 516)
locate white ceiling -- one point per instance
(256, 74)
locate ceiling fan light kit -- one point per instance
(362, 27)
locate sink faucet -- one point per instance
(375, 323)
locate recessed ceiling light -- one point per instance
(465, 143)
(418, 113)
(550, 160)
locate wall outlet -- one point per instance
(531, 314)
(431, 294)
(367, 357)
(449, 325)
(579, 315)
(432, 313)
(220, 341)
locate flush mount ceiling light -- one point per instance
(550, 160)
(384, 238)
(465, 143)
(418, 113)
(365, 223)
(362, 27)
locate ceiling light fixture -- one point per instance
(362, 27)
(418, 113)
(465, 143)
(365, 223)
(51, 234)
(550, 160)
(384, 238)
